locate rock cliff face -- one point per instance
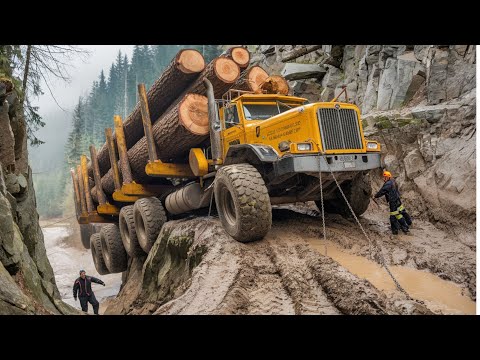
(418, 101)
(27, 283)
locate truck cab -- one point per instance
(289, 125)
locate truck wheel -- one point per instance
(243, 203)
(357, 191)
(127, 232)
(112, 248)
(149, 216)
(86, 231)
(97, 255)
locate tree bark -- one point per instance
(179, 74)
(251, 79)
(221, 72)
(25, 72)
(294, 54)
(182, 127)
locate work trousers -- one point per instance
(399, 218)
(84, 300)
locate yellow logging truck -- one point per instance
(263, 150)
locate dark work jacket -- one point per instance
(84, 286)
(390, 190)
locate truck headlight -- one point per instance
(304, 146)
(372, 146)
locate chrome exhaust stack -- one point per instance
(214, 123)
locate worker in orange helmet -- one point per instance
(399, 218)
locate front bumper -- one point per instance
(336, 163)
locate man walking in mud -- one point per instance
(83, 286)
(399, 218)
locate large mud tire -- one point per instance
(113, 251)
(86, 231)
(149, 216)
(97, 254)
(243, 203)
(128, 233)
(358, 192)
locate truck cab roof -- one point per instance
(269, 97)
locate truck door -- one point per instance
(234, 132)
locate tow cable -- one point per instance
(370, 241)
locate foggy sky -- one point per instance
(54, 134)
(82, 74)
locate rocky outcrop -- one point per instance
(27, 283)
(419, 102)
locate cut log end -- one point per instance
(226, 70)
(241, 56)
(190, 61)
(256, 78)
(193, 113)
(276, 84)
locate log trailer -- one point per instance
(255, 149)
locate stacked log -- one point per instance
(182, 115)
(182, 71)
(240, 55)
(185, 114)
(184, 126)
(222, 73)
(275, 84)
(251, 79)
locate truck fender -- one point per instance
(250, 153)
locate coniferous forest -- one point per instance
(114, 92)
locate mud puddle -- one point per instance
(436, 293)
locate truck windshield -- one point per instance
(265, 111)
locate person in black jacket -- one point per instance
(399, 218)
(83, 286)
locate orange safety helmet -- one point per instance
(387, 174)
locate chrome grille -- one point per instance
(339, 129)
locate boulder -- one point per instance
(294, 71)
(333, 76)
(13, 187)
(433, 114)
(392, 164)
(414, 163)
(22, 182)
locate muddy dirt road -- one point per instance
(67, 257)
(432, 265)
(195, 268)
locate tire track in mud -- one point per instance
(278, 275)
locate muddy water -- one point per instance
(438, 294)
(67, 261)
